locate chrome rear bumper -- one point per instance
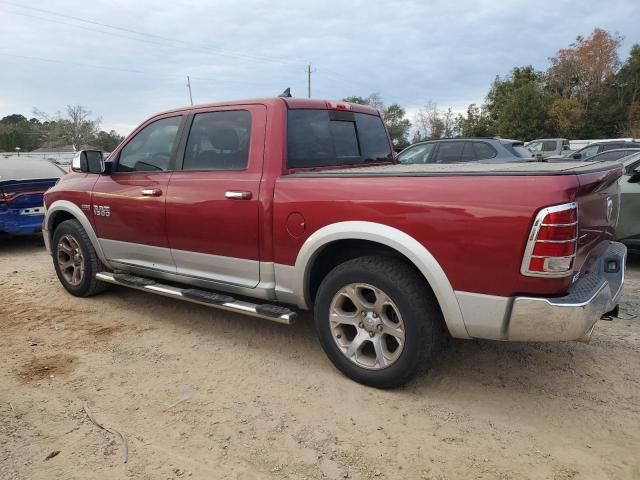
(573, 316)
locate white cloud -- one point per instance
(410, 51)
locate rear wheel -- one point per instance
(377, 320)
(75, 260)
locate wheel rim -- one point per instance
(70, 260)
(367, 326)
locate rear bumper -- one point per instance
(573, 316)
(537, 319)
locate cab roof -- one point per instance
(291, 103)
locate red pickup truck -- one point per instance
(265, 207)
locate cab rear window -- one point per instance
(320, 138)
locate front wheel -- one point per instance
(377, 320)
(75, 260)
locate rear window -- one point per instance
(518, 149)
(319, 138)
(24, 168)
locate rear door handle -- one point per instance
(235, 195)
(151, 192)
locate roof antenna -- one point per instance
(286, 93)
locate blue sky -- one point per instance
(411, 52)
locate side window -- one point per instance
(611, 146)
(417, 154)
(151, 148)
(534, 147)
(219, 141)
(590, 151)
(484, 151)
(468, 153)
(608, 156)
(450, 152)
(631, 168)
(548, 146)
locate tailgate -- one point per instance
(598, 199)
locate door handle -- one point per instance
(151, 192)
(235, 195)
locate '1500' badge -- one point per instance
(102, 210)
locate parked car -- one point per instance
(595, 148)
(23, 181)
(547, 147)
(628, 229)
(458, 150)
(299, 205)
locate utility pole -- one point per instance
(309, 72)
(189, 87)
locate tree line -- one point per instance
(76, 127)
(587, 92)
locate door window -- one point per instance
(468, 153)
(548, 146)
(450, 152)
(417, 154)
(590, 151)
(612, 146)
(609, 156)
(534, 147)
(219, 141)
(152, 147)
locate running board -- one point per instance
(267, 311)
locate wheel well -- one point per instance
(57, 218)
(335, 253)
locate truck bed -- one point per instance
(436, 169)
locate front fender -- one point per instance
(71, 208)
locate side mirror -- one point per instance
(577, 156)
(635, 177)
(88, 161)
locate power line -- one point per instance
(177, 43)
(124, 70)
(184, 43)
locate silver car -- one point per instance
(628, 230)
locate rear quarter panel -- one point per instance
(475, 226)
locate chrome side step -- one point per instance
(268, 311)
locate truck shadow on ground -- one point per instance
(20, 245)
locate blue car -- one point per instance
(23, 182)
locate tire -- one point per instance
(68, 238)
(390, 360)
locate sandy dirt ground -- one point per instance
(199, 393)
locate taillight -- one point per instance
(551, 247)
(7, 195)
